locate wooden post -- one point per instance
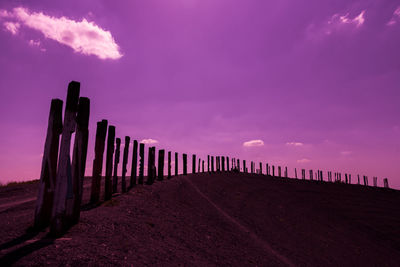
(134, 164)
(169, 164)
(295, 173)
(227, 164)
(345, 178)
(193, 163)
(116, 161)
(244, 166)
(184, 158)
(208, 163)
(349, 178)
(385, 183)
(176, 163)
(365, 180)
(109, 162)
(124, 163)
(311, 175)
(161, 154)
(375, 181)
(150, 171)
(198, 168)
(322, 176)
(141, 164)
(279, 171)
(223, 163)
(261, 172)
(202, 165)
(238, 165)
(101, 132)
(63, 187)
(286, 173)
(267, 168)
(212, 163)
(44, 202)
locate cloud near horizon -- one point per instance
(303, 161)
(149, 141)
(83, 37)
(253, 143)
(294, 144)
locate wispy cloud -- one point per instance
(395, 18)
(253, 143)
(12, 27)
(149, 141)
(83, 36)
(294, 144)
(303, 160)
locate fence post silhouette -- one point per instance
(227, 164)
(244, 166)
(141, 164)
(116, 161)
(44, 202)
(184, 157)
(286, 172)
(169, 164)
(134, 163)
(161, 154)
(150, 167)
(101, 132)
(125, 162)
(238, 164)
(176, 163)
(279, 171)
(202, 165)
(375, 181)
(385, 183)
(208, 163)
(109, 162)
(198, 168)
(63, 186)
(365, 180)
(193, 163)
(223, 163)
(212, 163)
(349, 178)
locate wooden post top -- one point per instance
(73, 96)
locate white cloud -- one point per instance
(34, 43)
(12, 27)
(303, 161)
(294, 144)
(83, 37)
(395, 18)
(149, 141)
(338, 19)
(253, 143)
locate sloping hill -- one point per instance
(220, 219)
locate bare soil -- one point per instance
(212, 220)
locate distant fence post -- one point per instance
(385, 183)
(244, 166)
(193, 163)
(63, 186)
(202, 165)
(345, 178)
(184, 157)
(134, 163)
(286, 173)
(208, 163)
(101, 132)
(169, 164)
(141, 164)
(358, 178)
(375, 181)
(311, 174)
(238, 164)
(223, 163)
(116, 161)
(365, 180)
(109, 162)
(44, 202)
(349, 178)
(212, 163)
(295, 173)
(198, 168)
(279, 171)
(322, 176)
(150, 167)
(227, 164)
(125, 162)
(176, 163)
(161, 154)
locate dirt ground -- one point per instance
(213, 220)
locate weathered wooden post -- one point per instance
(63, 186)
(375, 181)
(223, 163)
(216, 163)
(208, 163)
(161, 154)
(44, 202)
(244, 166)
(212, 163)
(286, 173)
(101, 132)
(358, 178)
(176, 163)
(116, 161)
(154, 168)
(169, 164)
(141, 164)
(365, 180)
(279, 171)
(227, 164)
(303, 174)
(261, 172)
(150, 170)
(184, 157)
(295, 173)
(124, 163)
(202, 166)
(345, 178)
(134, 164)
(109, 162)
(79, 160)
(273, 170)
(322, 176)
(193, 163)
(349, 178)
(238, 165)
(311, 175)
(385, 183)
(267, 168)
(198, 168)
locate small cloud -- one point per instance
(294, 144)
(149, 141)
(303, 161)
(253, 143)
(395, 18)
(346, 153)
(338, 19)
(83, 36)
(34, 43)
(12, 27)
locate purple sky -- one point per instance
(317, 81)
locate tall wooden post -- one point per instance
(223, 163)
(169, 164)
(184, 158)
(109, 162)
(244, 166)
(176, 163)
(194, 163)
(153, 163)
(202, 166)
(212, 163)
(44, 202)
(124, 163)
(134, 164)
(101, 132)
(295, 173)
(385, 183)
(141, 164)
(208, 163)
(238, 165)
(227, 164)
(161, 154)
(279, 171)
(349, 178)
(273, 170)
(261, 171)
(150, 171)
(375, 181)
(198, 168)
(116, 162)
(63, 188)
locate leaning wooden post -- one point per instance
(193, 163)
(124, 163)
(79, 160)
(101, 132)
(169, 164)
(116, 162)
(176, 163)
(150, 167)
(44, 202)
(141, 164)
(161, 154)
(109, 162)
(63, 187)
(134, 164)
(184, 158)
